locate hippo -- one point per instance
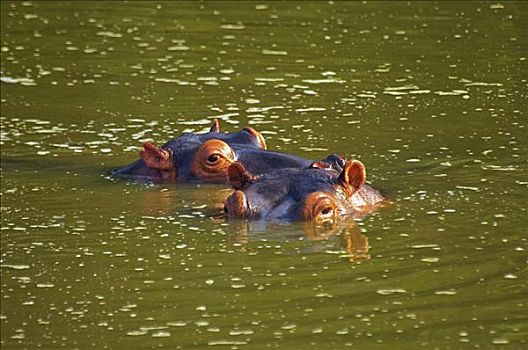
(318, 193)
(205, 157)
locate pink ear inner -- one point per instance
(354, 174)
(155, 157)
(320, 165)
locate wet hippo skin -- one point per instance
(206, 157)
(315, 193)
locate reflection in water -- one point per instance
(168, 200)
(354, 243)
(207, 200)
(156, 201)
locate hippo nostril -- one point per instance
(236, 205)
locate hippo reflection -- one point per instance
(316, 193)
(345, 234)
(205, 157)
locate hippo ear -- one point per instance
(215, 127)
(260, 139)
(156, 157)
(320, 165)
(238, 177)
(353, 175)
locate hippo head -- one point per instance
(317, 193)
(191, 156)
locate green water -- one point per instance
(430, 96)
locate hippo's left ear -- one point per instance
(238, 176)
(320, 165)
(353, 175)
(216, 126)
(156, 157)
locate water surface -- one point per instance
(430, 96)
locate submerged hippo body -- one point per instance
(315, 193)
(206, 157)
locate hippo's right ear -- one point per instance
(238, 177)
(215, 127)
(353, 175)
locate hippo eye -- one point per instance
(213, 158)
(211, 161)
(326, 211)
